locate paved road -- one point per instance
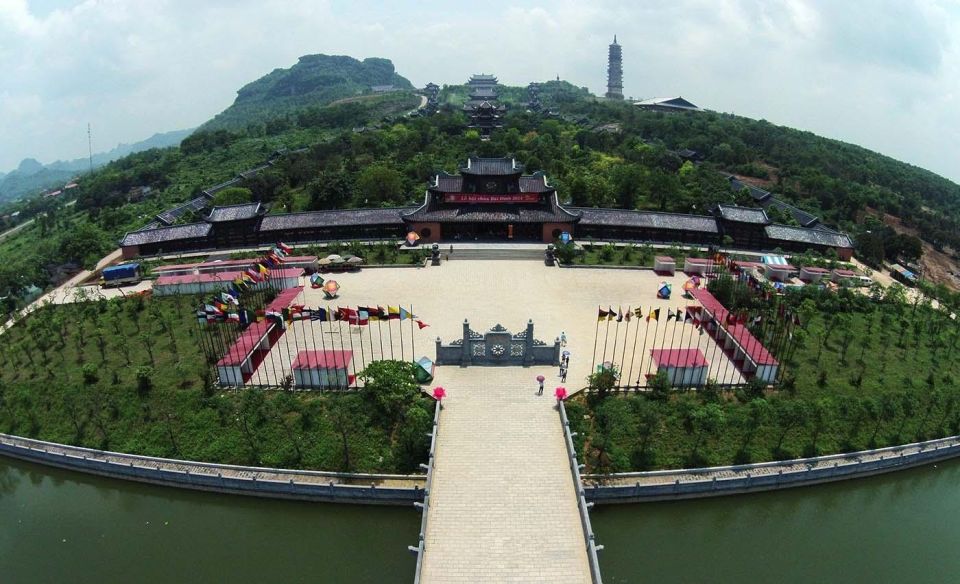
(14, 230)
(503, 506)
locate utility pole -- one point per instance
(90, 146)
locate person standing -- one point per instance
(563, 375)
(540, 391)
(563, 338)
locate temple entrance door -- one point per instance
(492, 232)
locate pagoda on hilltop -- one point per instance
(482, 107)
(614, 71)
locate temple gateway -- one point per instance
(490, 199)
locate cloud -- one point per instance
(881, 73)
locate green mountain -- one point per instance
(315, 80)
(31, 176)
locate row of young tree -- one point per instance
(130, 376)
(866, 371)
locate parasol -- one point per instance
(334, 259)
(354, 260)
(316, 281)
(540, 378)
(330, 288)
(439, 393)
(561, 393)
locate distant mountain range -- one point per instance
(315, 80)
(32, 176)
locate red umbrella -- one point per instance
(439, 393)
(561, 393)
(540, 377)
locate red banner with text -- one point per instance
(487, 198)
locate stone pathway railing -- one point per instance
(425, 505)
(725, 480)
(582, 505)
(385, 489)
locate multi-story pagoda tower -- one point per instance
(615, 71)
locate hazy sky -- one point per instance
(883, 74)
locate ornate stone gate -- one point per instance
(498, 346)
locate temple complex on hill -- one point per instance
(489, 199)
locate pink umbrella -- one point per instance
(561, 393)
(439, 393)
(540, 377)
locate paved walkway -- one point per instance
(503, 506)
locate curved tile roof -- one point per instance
(647, 219)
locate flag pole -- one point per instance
(413, 341)
(633, 352)
(626, 337)
(616, 334)
(596, 335)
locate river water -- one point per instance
(58, 526)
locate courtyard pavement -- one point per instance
(509, 293)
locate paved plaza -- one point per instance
(508, 293)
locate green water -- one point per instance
(64, 527)
(902, 527)
(57, 526)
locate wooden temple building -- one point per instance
(482, 108)
(489, 199)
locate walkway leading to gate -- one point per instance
(502, 504)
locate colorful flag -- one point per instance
(404, 315)
(628, 314)
(654, 314)
(669, 314)
(619, 314)
(638, 312)
(233, 317)
(422, 324)
(602, 314)
(610, 313)
(393, 313)
(286, 248)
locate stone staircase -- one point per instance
(493, 252)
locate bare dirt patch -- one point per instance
(938, 267)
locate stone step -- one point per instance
(495, 254)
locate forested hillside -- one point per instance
(315, 80)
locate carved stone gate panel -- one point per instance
(498, 346)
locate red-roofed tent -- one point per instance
(683, 367)
(321, 369)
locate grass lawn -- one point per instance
(128, 375)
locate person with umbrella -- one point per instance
(541, 379)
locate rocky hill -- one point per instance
(315, 80)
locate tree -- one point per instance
(703, 422)
(819, 419)
(602, 382)
(378, 185)
(788, 414)
(232, 196)
(750, 421)
(389, 388)
(331, 190)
